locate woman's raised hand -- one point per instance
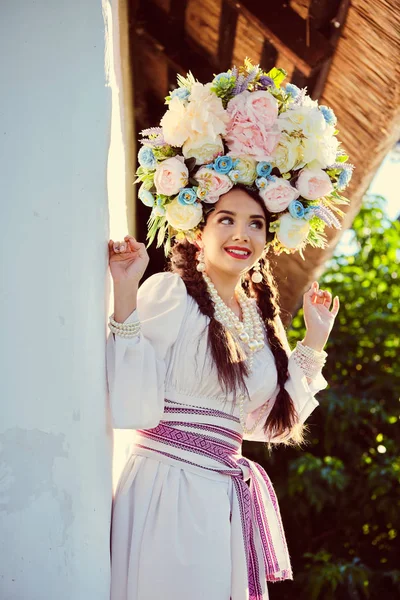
(128, 260)
(319, 317)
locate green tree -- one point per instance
(340, 493)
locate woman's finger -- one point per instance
(310, 293)
(135, 246)
(336, 306)
(318, 296)
(122, 247)
(327, 299)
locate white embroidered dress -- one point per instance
(177, 527)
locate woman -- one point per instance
(192, 518)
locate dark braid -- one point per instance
(228, 356)
(282, 418)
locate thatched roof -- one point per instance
(363, 88)
(347, 55)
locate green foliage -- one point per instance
(278, 75)
(340, 495)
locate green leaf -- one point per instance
(278, 75)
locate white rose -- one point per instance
(314, 123)
(292, 232)
(204, 149)
(246, 166)
(320, 149)
(292, 119)
(175, 123)
(313, 184)
(183, 217)
(288, 154)
(308, 102)
(171, 175)
(205, 112)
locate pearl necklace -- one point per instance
(250, 332)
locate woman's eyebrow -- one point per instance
(229, 212)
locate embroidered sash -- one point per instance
(211, 439)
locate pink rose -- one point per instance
(262, 108)
(252, 127)
(214, 183)
(171, 175)
(248, 138)
(313, 184)
(278, 194)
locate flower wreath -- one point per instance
(244, 127)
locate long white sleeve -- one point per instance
(301, 392)
(136, 366)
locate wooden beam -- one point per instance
(333, 26)
(182, 53)
(337, 24)
(287, 31)
(321, 13)
(227, 33)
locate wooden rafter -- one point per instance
(287, 31)
(227, 34)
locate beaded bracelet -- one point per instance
(126, 330)
(309, 360)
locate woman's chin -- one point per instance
(234, 266)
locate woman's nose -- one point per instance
(241, 234)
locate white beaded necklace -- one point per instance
(250, 332)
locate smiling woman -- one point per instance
(198, 359)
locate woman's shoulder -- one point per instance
(162, 292)
(164, 282)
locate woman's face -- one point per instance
(234, 236)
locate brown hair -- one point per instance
(232, 368)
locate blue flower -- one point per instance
(261, 182)
(263, 168)
(329, 115)
(221, 78)
(181, 92)
(223, 164)
(159, 209)
(296, 209)
(344, 178)
(223, 81)
(234, 174)
(146, 197)
(187, 196)
(146, 158)
(309, 212)
(292, 89)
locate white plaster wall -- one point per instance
(55, 441)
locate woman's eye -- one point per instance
(253, 224)
(258, 224)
